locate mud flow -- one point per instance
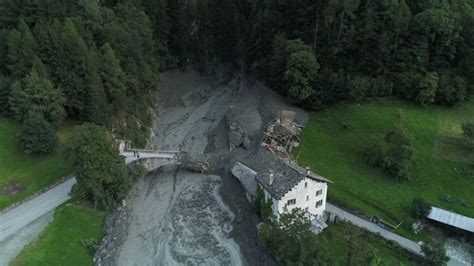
(177, 217)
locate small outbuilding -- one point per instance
(451, 219)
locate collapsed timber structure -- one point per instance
(282, 135)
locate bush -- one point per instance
(468, 134)
(37, 135)
(5, 84)
(375, 154)
(90, 244)
(381, 87)
(394, 154)
(359, 88)
(364, 87)
(420, 208)
(451, 90)
(418, 87)
(435, 253)
(427, 88)
(347, 126)
(262, 206)
(290, 238)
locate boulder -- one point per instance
(235, 138)
(247, 142)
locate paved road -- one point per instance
(27, 212)
(406, 243)
(403, 242)
(20, 216)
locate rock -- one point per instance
(233, 84)
(233, 127)
(204, 91)
(247, 143)
(235, 138)
(187, 99)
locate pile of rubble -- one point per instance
(282, 135)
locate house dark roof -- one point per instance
(285, 174)
(246, 176)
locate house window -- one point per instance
(307, 198)
(291, 202)
(319, 192)
(319, 203)
(305, 184)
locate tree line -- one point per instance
(421, 51)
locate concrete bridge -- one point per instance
(152, 159)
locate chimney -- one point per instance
(270, 181)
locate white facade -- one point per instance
(308, 194)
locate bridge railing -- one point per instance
(152, 151)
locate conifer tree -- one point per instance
(37, 135)
(21, 50)
(113, 78)
(71, 74)
(37, 94)
(97, 108)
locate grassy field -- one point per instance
(346, 244)
(60, 242)
(31, 173)
(337, 153)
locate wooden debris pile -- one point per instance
(282, 135)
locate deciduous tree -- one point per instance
(102, 176)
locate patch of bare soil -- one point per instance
(11, 189)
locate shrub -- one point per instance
(262, 206)
(37, 135)
(347, 126)
(427, 88)
(468, 134)
(381, 87)
(375, 154)
(420, 208)
(359, 88)
(451, 90)
(435, 253)
(363, 87)
(90, 244)
(393, 154)
(5, 83)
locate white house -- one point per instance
(285, 183)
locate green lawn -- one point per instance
(60, 242)
(344, 243)
(29, 171)
(337, 154)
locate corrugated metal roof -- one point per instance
(451, 218)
